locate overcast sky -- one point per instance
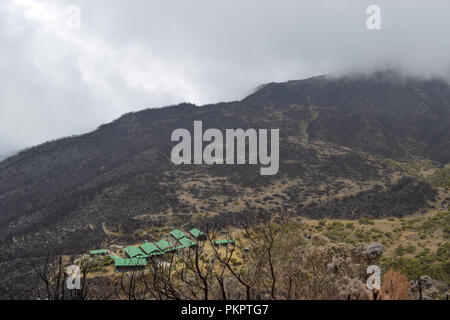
(130, 55)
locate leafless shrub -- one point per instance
(394, 286)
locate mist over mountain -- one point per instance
(341, 142)
(3, 156)
(146, 54)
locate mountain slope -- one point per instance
(335, 137)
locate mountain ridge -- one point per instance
(336, 135)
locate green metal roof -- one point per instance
(186, 242)
(171, 249)
(195, 232)
(133, 262)
(159, 253)
(149, 247)
(114, 257)
(133, 251)
(224, 241)
(163, 244)
(99, 251)
(177, 234)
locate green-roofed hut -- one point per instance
(223, 243)
(187, 243)
(197, 234)
(171, 249)
(158, 254)
(163, 245)
(131, 264)
(114, 257)
(133, 252)
(99, 252)
(149, 248)
(177, 234)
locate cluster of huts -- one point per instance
(137, 257)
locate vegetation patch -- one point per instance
(434, 264)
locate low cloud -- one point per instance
(130, 55)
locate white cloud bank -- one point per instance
(129, 55)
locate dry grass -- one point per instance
(394, 286)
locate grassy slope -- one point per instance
(417, 245)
